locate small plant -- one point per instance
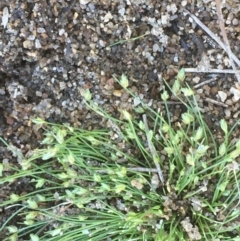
(152, 180)
(128, 40)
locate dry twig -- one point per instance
(217, 71)
(204, 82)
(213, 36)
(216, 102)
(152, 149)
(225, 39)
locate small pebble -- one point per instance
(196, 79)
(222, 95)
(41, 30)
(214, 90)
(156, 48)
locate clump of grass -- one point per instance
(153, 180)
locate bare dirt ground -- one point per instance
(49, 49)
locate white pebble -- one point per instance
(235, 22)
(222, 95)
(227, 112)
(236, 114)
(164, 20)
(121, 11)
(84, 2)
(184, 3)
(31, 37)
(37, 44)
(38, 93)
(41, 30)
(196, 79)
(236, 94)
(101, 43)
(107, 17)
(156, 48)
(5, 17)
(61, 32)
(175, 59)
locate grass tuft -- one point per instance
(154, 179)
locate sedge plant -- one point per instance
(155, 180)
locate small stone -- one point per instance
(196, 79)
(184, 3)
(214, 90)
(228, 21)
(41, 30)
(117, 93)
(236, 115)
(92, 45)
(121, 11)
(62, 85)
(38, 93)
(84, 2)
(164, 20)
(31, 37)
(37, 44)
(172, 8)
(64, 103)
(235, 21)
(91, 6)
(101, 43)
(236, 94)
(61, 32)
(75, 15)
(156, 48)
(32, 54)
(44, 96)
(175, 59)
(107, 17)
(10, 121)
(5, 17)
(222, 95)
(27, 44)
(229, 102)
(2, 91)
(227, 112)
(199, 91)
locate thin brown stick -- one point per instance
(217, 71)
(225, 38)
(215, 102)
(212, 35)
(204, 82)
(152, 149)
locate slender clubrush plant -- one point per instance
(153, 179)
